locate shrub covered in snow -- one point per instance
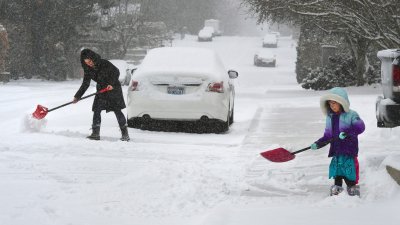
(338, 73)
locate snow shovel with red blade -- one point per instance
(42, 111)
(283, 155)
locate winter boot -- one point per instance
(124, 133)
(95, 134)
(354, 190)
(335, 190)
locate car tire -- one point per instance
(134, 123)
(222, 126)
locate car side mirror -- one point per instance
(396, 61)
(233, 74)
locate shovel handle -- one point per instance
(309, 147)
(301, 150)
(87, 96)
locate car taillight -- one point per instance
(396, 78)
(134, 85)
(216, 87)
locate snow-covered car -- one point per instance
(276, 33)
(215, 24)
(270, 41)
(125, 70)
(182, 84)
(388, 105)
(206, 34)
(265, 57)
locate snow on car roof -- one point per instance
(265, 53)
(181, 60)
(388, 53)
(270, 37)
(119, 63)
(205, 33)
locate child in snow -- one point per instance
(342, 127)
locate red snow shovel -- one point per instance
(42, 111)
(283, 155)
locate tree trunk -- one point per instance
(359, 47)
(361, 61)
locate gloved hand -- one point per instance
(314, 146)
(75, 100)
(342, 135)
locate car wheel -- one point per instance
(380, 124)
(134, 122)
(222, 126)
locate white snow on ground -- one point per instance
(54, 176)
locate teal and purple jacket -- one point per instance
(347, 121)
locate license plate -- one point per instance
(176, 90)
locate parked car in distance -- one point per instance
(182, 84)
(206, 34)
(388, 105)
(270, 41)
(265, 57)
(125, 70)
(215, 24)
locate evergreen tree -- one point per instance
(44, 24)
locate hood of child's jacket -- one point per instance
(336, 94)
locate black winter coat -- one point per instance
(104, 73)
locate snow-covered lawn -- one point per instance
(55, 176)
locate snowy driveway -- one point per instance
(57, 177)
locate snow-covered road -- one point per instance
(57, 177)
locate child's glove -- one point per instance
(314, 146)
(342, 135)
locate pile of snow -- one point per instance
(31, 124)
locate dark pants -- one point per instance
(339, 181)
(97, 118)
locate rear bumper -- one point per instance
(201, 39)
(265, 63)
(209, 104)
(270, 45)
(387, 113)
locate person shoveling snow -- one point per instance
(342, 128)
(346, 124)
(105, 74)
